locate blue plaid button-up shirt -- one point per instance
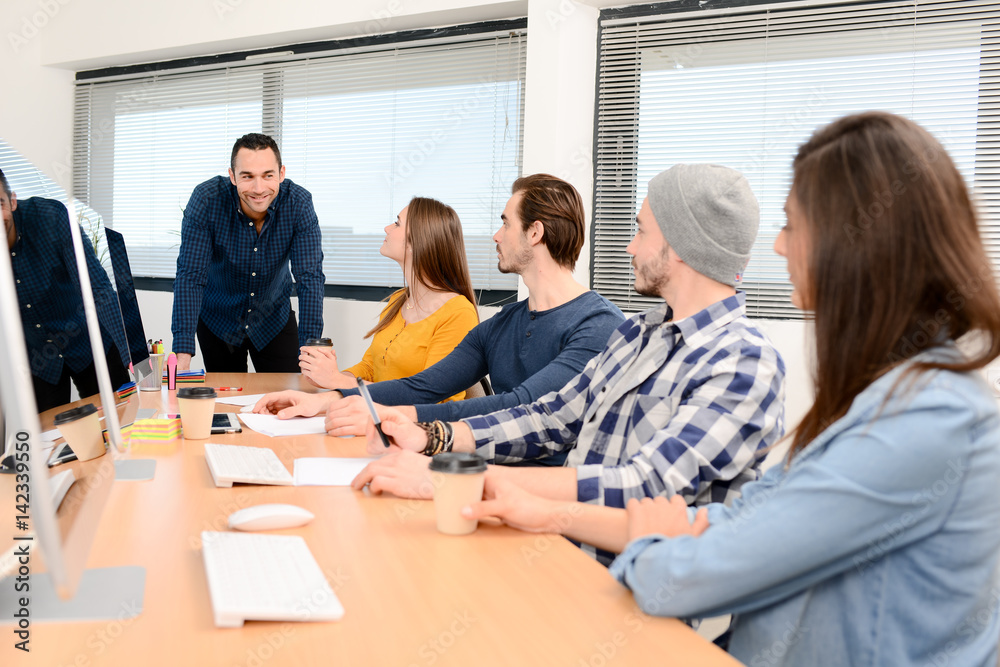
(48, 292)
(668, 408)
(237, 281)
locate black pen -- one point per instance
(371, 408)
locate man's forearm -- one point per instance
(548, 482)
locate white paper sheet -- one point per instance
(328, 471)
(239, 399)
(272, 426)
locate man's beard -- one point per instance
(654, 278)
(517, 263)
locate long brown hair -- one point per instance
(437, 251)
(896, 262)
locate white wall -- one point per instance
(45, 41)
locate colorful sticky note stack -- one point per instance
(155, 430)
(125, 390)
(187, 377)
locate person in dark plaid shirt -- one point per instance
(683, 402)
(48, 293)
(232, 285)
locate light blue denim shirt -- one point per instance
(878, 545)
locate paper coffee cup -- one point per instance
(458, 481)
(82, 430)
(196, 405)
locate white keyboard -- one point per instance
(248, 465)
(255, 577)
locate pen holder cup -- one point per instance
(154, 380)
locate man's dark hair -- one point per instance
(6, 185)
(558, 206)
(255, 142)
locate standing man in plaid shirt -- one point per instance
(232, 285)
(51, 304)
(683, 400)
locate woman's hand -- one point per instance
(319, 365)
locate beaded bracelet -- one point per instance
(440, 437)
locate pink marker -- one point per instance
(172, 371)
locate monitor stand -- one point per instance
(135, 470)
(104, 594)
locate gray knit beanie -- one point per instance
(709, 216)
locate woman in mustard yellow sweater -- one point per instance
(425, 320)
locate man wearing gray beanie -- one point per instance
(709, 216)
(683, 401)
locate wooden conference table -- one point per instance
(411, 595)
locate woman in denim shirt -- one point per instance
(877, 542)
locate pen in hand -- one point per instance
(371, 408)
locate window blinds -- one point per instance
(745, 86)
(363, 130)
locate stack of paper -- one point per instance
(186, 377)
(249, 399)
(328, 471)
(272, 426)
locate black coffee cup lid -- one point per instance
(196, 392)
(460, 463)
(75, 413)
(319, 342)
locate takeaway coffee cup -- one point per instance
(458, 481)
(197, 404)
(82, 431)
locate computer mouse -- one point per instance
(269, 517)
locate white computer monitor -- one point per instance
(66, 591)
